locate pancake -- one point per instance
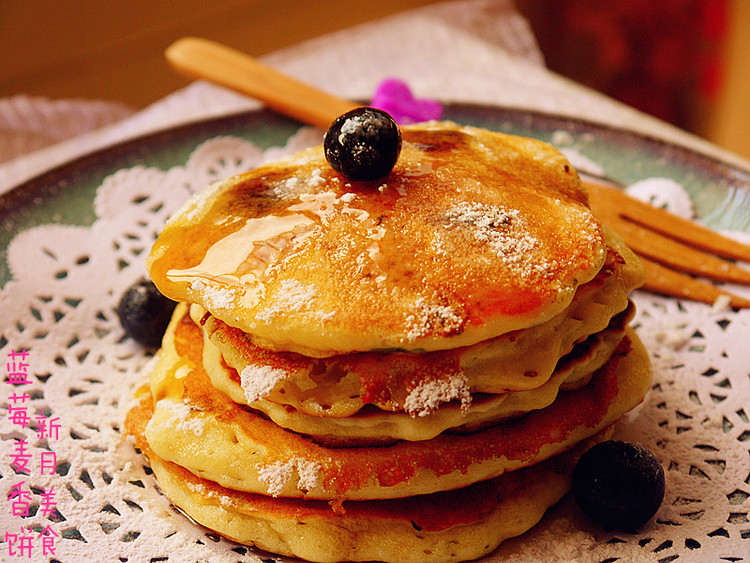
(342, 385)
(373, 426)
(202, 430)
(449, 526)
(304, 261)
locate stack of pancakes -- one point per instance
(402, 370)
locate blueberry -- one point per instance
(145, 313)
(363, 144)
(618, 485)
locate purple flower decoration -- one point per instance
(395, 97)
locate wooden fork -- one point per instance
(673, 249)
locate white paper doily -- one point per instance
(60, 306)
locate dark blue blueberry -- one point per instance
(363, 144)
(618, 485)
(145, 313)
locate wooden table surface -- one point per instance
(113, 50)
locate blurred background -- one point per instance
(684, 61)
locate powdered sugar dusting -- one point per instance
(503, 230)
(278, 475)
(432, 318)
(438, 244)
(295, 186)
(294, 297)
(426, 397)
(506, 232)
(309, 474)
(259, 381)
(215, 298)
(180, 417)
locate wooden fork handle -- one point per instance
(673, 284)
(201, 58)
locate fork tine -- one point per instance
(668, 282)
(678, 256)
(615, 208)
(668, 224)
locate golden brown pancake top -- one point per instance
(473, 234)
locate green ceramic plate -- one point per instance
(720, 191)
